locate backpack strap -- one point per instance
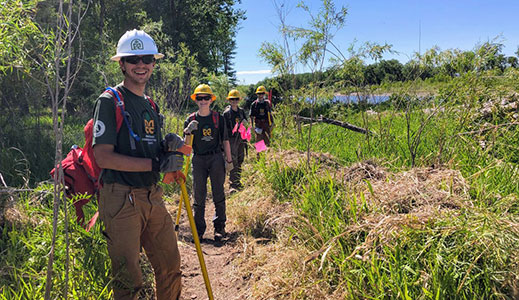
(120, 107)
(215, 115)
(216, 118)
(192, 117)
(155, 107)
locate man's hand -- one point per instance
(176, 176)
(192, 126)
(167, 162)
(228, 166)
(172, 142)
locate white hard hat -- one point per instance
(136, 42)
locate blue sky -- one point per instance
(450, 24)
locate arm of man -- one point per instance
(251, 114)
(224, 135)
(107, 158)
(227, 150)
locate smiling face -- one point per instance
(136, 71)
(203, 101)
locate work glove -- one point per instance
(167, 162)
(192, 126)
(172, 142)
(245, 122)
(258, 130)
(176, 176)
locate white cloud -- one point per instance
(253, 72)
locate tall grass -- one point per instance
(25, 244)
(465, 254)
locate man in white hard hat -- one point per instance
(130, 201)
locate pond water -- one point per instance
(371, 99)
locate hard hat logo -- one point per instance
(137, 45)
(136, 42)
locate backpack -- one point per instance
(215, 115)
(80, 169)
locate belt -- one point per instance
(209, 153)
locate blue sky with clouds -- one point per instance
(460, 24)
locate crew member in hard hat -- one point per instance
(233, 115)
(210, 139)
(130, 201)
(261, 116)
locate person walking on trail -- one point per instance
(209, 139)
(261, 116)
(130, 201)
(234, 115)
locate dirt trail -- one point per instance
(218, 258)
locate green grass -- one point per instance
(26, 243)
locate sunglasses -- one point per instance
(200, 98)
(261, 93)
(146, 59)
(234, 99)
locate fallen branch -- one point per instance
(335, 122)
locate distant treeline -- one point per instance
(434, 65)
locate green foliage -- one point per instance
(18, 31)
(25, 245)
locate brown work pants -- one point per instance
(135, 217)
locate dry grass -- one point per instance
(254, 212)
(280, 269)
(292, 159)
(366, 170)
(12, 215)
(419, 190)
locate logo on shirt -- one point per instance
(207, 134)
(99, 128)
(149, 124)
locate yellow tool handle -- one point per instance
(197, 241)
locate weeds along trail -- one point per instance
(325, 231)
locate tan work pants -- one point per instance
(135, 217)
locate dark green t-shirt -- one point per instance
(144, 121)
(207, 138)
